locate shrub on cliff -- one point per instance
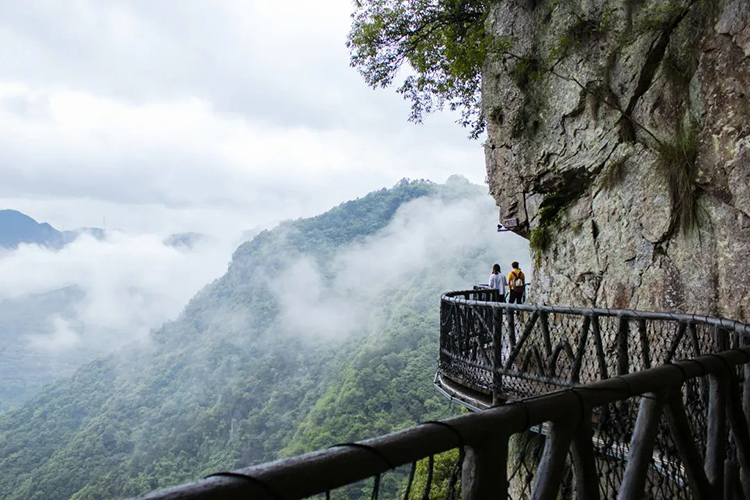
(444, 43)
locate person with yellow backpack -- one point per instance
(517, 282)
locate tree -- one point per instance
(443, 41)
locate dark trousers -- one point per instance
(516, 297)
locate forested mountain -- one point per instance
(17, 228)
(24, 370)
(184, 240)
(322, 330)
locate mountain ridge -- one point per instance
(17, 228)
(322, 330)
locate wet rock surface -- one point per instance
(608, 122)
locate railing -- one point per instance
(494, 294)
(710, 461)
(622, 404)
(491, 351)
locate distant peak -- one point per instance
(457, 179)
(17, 228)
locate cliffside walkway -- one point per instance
(623, 404)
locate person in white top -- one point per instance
(498, 281)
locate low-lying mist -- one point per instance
(130, 283)
(61, 308)
(420, 247)
(322, 330)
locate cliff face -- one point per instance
(618, 134)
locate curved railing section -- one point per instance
(605, 404)
(663, 452)
(492, 352)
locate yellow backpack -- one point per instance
(518, 281)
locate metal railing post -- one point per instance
(511, 328)
(623, 361)
(497, 358)
(485, 470)
(552, 464)
(642, 447)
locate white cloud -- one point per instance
(421, 246)
(216, 116)
(233, 107)
(132, 284)
(63, 336)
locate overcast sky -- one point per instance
(209, 115)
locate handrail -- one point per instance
(492, 352)
(485, 438)
(734, 326)
(509, 351)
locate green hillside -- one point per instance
(24, 371)
(322, 330)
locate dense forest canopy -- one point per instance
(443, 42)
(323, 330)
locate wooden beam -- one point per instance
(599, 347)
(497, 355)
(544, 321)
(575, 371)
(681, 328)
(623, 360)
(645, 344)
(552, 464)
(746, 385)
(694, 341)
(524, 337)
(682, 435)
(740, 431)
(716, 444)
(732, 488)
(512, 328)
(641, 447)
(485, 473)
(584, 462)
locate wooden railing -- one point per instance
(622, 404)
(713, 465)
(492, 351)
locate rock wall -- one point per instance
(619, 135)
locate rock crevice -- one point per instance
(598, 204)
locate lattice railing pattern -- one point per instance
(582, 404)
(512, 351)
(561, 458)
(509, 352)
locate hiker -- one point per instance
(498, 282)
(517, 282)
